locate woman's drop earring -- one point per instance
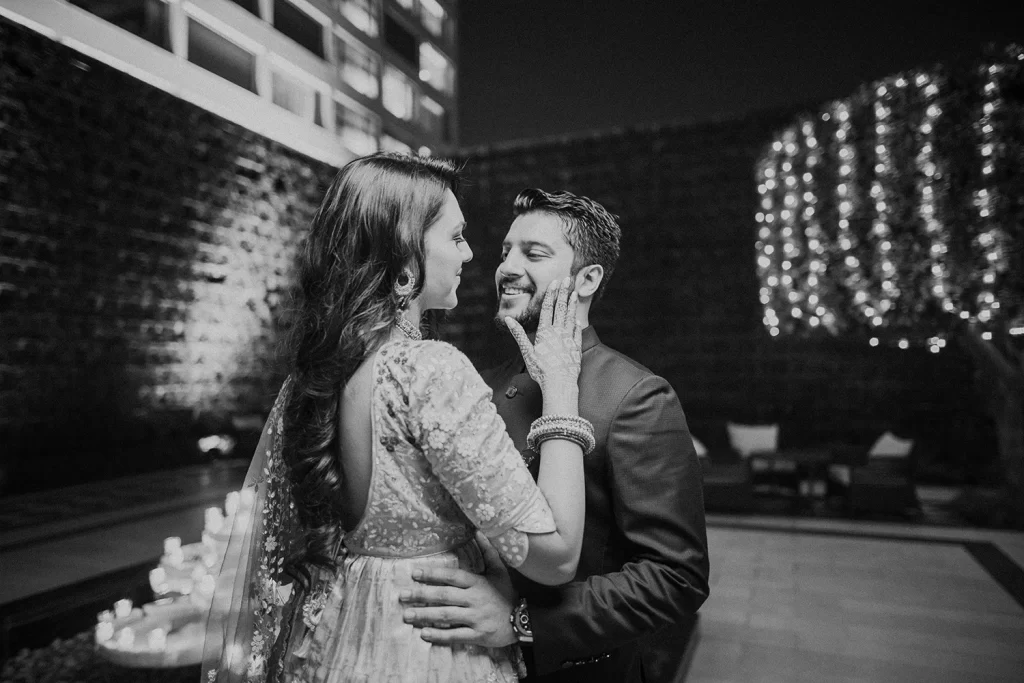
(403, 290)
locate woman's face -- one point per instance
(445, 250)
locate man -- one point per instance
(643, 572)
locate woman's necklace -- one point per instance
(410, 330)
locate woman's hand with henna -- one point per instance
(553, 359)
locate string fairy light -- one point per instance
(876, 305)
(930, 182)
(819, 313)
(847, 203)
(792, 298)
(791, 244)
(804, 268)
(767, 172)
(990, 238)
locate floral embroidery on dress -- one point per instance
(445, 462)
(278, 515)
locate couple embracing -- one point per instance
(415, 520)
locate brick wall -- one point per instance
(684, 299)
(145, 249)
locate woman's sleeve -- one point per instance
(454, 423)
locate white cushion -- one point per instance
(702, 451)
(891, 446)
(840, 473)
(747, 439)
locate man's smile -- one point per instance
(511, 291)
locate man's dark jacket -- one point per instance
(643, 572)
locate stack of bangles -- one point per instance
(571, 427)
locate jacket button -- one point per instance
(511, 391)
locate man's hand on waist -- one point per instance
(454, 606)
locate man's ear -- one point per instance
(588, 279)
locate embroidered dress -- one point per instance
(443, 466)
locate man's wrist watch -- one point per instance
(520, 619)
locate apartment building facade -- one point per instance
(333, 79)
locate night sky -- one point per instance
(532, 68)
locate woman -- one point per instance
(384, 451)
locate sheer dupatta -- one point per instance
(250, 603)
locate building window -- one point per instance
(363, 14)
(392, 144)
(435, 69)
(359, 131)
(434, 18)
(297, 97)
(430, 13)
(431, 118)
(252, 6)
(398, 94)
(402, 41)
(360, 68)
(147, 19)
(299, 26)
(214, 52)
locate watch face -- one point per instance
(522, 620)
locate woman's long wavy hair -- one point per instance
(367, 230)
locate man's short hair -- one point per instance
(591, 231)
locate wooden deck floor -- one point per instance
(794, 600)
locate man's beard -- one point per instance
(529, 319)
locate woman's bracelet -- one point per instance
(570, 427)
(580, 439)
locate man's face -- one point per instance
(533, 254)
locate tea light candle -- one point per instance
(122, 608)
(214, 520)
(104, 631)
(157, 639)
(126, 638)
(105, 615)
(172, 545)
(231, 502)
(158, 580)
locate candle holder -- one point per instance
(164, 634)
(170, 631)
